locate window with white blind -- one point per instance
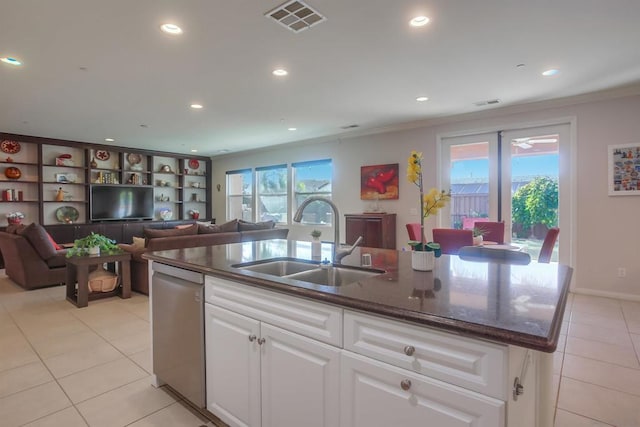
(240, 194)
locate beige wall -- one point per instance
(606, 229)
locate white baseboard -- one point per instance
(606, 294)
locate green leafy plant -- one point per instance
(478, 231)
(316, 234)
(82, 246)
(536, 203)
(427, 247)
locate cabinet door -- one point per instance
(233, 366)
(300, 380)
(376, 394)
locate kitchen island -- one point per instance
(469, 343)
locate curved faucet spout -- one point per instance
(337, 254)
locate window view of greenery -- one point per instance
(313, 179)
(272, 193)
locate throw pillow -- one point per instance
(205, 223)
(138, 242)
(153, 233)
(39, 239)
(53, 242)
(251, 226)
(183, 226)
(227, 227)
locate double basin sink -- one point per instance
(309, 271)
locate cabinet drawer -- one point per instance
(314, 320)
(376, 394)
(472, 364)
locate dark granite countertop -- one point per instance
(521, 305)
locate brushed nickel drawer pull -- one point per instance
(405, 384)
(252, 338)
(261, 341)
(409, 350)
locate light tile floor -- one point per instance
(64, 366)
(61, 366)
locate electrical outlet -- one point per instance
(622, 272)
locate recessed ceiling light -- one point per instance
(109, 139)
(11, 61)
(280, 72)
(194, 150)
(171, 29)
(419, 21)
(292, 129)
(196, 106)
(551, 72)
(422, 98)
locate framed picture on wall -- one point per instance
(624, 170)
(379, 182)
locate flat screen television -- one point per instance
(121, 202)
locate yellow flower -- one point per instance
(434, 199)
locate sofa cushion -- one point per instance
(251, 226)
(58, 260)
(39, 239)
(13, 228)
(227, 227)
(154, 233)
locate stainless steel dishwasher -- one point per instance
(177, 298)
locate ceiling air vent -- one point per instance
(489, 102)
(296, 16)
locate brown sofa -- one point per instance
(30, 258)
(194, 236)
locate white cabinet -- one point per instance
(300, 380)
(262, 375)
(232, 366)
(378, 394)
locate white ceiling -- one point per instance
(95, 69)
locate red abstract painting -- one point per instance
(379, 182)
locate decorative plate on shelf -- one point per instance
(10, 147)
(165, 214)
(67, 214)
(102, 155)
(194, 164)
(134, 158)
(12, 172)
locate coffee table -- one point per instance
(78, 271)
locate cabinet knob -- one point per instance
(252, 338)
(409, 350)
(405, 384)
(261, 341)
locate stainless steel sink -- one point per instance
(335, 276)
(309, 271)
(278, 267)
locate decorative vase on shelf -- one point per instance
(423, 260)
(93, 163)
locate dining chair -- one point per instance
(493, 231)
(547, 245)
(413, 228)
(451, 240)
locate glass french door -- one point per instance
(511, 176)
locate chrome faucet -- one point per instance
(338, 254)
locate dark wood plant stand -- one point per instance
(78, 272)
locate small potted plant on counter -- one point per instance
(93, 244)
(478, 232)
